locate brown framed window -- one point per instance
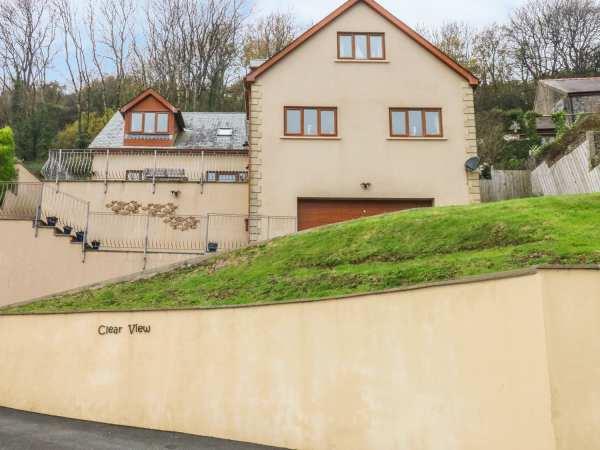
(361, 46)
(416, 122)
(310, 121)
(149, 122)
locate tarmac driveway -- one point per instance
(27, 431)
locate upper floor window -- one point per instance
(149, 122)
(310, 121)
(361, 46)
(416, 122)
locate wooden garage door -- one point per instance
(316, 212)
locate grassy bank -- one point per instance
(368, 255)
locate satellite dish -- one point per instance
(473, 164)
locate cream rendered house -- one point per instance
(359, 115)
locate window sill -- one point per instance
(363, 61)
(311, 138)
(417, 139)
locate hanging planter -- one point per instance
(79, 236)
(52, 221)
(67, 229)
(213, 247)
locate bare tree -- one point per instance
(26, 42)
(492, 55)
(550, 37)
(75, 57)
(191, 49)
(269, 35)
(455, 39)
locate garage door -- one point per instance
(316, 212)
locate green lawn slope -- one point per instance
(368, 255)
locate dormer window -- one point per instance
(150, 122)
(361, 46)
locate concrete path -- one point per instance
(27, 431)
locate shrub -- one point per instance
(560, 122)
(8, 172)
(570, 138)
(92, 124)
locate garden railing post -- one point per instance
(106, 171)
(154, 172)
(206, 233)
(59, 167)
(202, 173)
(268, 227)
(38, 212)
(85, 232)
(146, 240)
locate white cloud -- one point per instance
(427, 12)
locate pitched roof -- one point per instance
(574, 85)
(200, 132)
(148, 93)
(451, 63)
(159, 98)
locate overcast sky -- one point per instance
(426, 12)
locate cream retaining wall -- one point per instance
(31, 268)
(503, 363)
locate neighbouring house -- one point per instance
(358, 116)
(574, 96)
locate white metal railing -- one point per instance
(145, 165)
(63, 210)
(152, 231)
(276, 226)
(19, 200)
(177, 232)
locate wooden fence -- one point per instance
(506, 184)
(575, 173)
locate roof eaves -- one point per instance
(464, 72)
(149, 92)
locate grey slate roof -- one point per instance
(200, 132)
(574, 85)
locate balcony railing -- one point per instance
(146, 165)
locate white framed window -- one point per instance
(149, 122)
(162, 122)
(136, 122)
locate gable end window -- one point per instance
(361, 46)
(149, 122)
(416, 122)
(310, 121)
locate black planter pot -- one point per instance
(67, 229)
(51, 221)
(95, 245)
(79, 236)
(212, 247)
